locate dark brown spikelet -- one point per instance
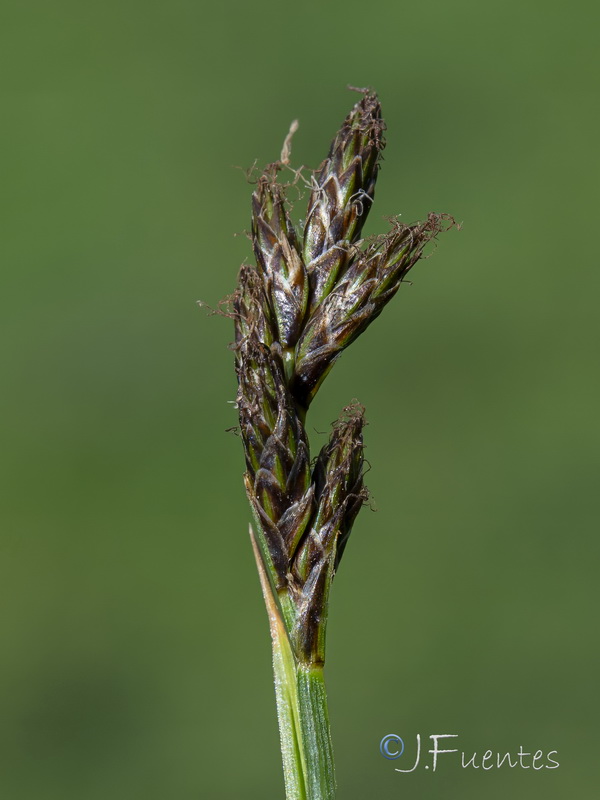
(357, 299)
(343, 190)
(278, 480)
(278, 258)
(340, 493)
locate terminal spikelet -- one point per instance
(342, 194)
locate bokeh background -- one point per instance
(135, 657)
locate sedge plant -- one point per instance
(313, 291)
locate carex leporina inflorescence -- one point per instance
(310, 295)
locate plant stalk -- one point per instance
(302, 715)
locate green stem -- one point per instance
(295, 763)
(301, 710)
(314, 720)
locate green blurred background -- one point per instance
(135, 657)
